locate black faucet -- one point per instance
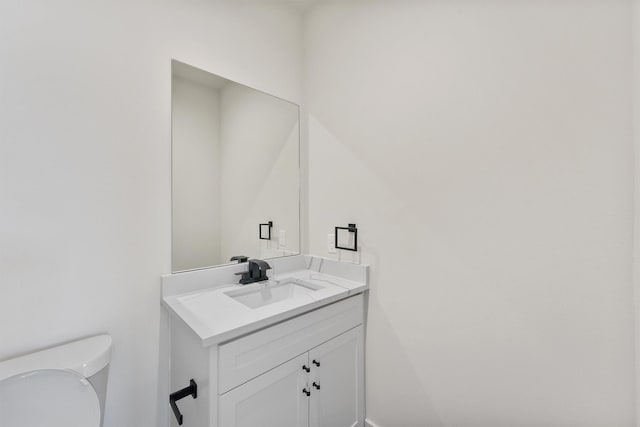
(257, 272)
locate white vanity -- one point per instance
(283, 353)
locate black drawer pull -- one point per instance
(306, 368)
(306, 392)
(315, 362)
(316, 385)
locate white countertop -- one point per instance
(216, 317)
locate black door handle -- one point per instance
(180, 394)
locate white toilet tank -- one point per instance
(60, 386)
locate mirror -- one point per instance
(235, 171)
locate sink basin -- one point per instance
(265, 293)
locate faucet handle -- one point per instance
(246, 277)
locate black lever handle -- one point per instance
(180, 394)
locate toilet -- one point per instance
(62, 386)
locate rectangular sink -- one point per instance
(270, 292)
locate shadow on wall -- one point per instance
(164, 366)
(384, 349)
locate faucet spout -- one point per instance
(257, 272)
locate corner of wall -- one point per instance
(636, 215)
(369, 423)
(304, 138)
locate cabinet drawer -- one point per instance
(247, 357)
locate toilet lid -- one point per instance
(48, 398)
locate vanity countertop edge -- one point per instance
(207, 288)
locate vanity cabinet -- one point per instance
(307, 371)
(337, 381)
(273, 399)
(328, 395)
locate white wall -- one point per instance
(195, 152)
(636, 234)
(497, 224)
(85, 165)
(484, 149)
(259, 172)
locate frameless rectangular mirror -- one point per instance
(235, 171)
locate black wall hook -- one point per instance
(180, 394)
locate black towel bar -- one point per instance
(180, 394)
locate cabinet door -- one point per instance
(339, 400)
(273, 399)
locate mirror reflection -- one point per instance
(235, 171)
